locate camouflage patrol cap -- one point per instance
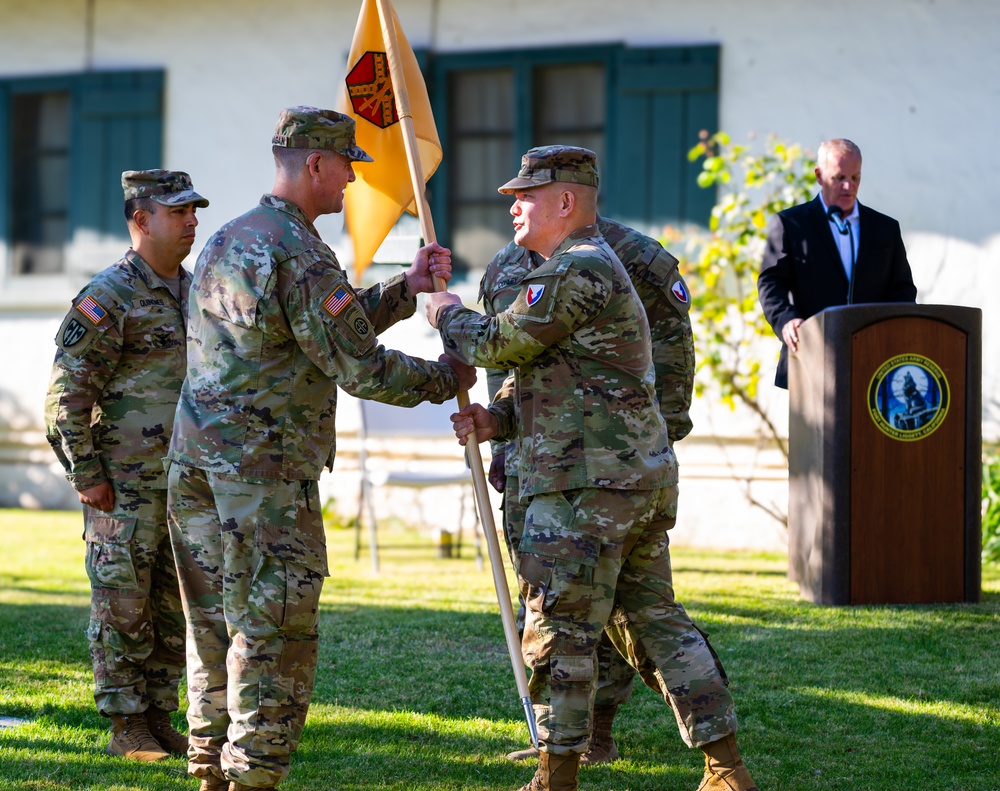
(311, 127)
(546, 164)
(169, 187)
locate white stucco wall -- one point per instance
(911, 81)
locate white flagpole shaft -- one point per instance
(472, 449)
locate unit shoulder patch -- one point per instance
(536, 298)
(678, 290)
(72, 333)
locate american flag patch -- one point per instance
(338, 300)
(90, 308)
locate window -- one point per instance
(64, 142)
(39, 181)
(640, 110)
(482, 144)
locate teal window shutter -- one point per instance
(663, 98)
(118, 126)
(115, 123)
(5, 169)
(642, 109)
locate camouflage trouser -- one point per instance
(251, 556)
(615, 676)
(136, 628)
(588, 553)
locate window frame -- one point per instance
(522, 62)
(115, 116)
(656, 76)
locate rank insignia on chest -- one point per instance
(534, 294)
(339, 299)
(92, 309)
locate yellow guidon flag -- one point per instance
(383, 189)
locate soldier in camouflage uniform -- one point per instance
(598, 477)
(275, 328)
(109, 411)
(666, 300)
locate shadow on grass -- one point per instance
(14, 583)
(422, 698)
(51, 632)
(736, 572)
(78, 760)
(796, 741)
(351, 756)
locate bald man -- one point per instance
(830, 251)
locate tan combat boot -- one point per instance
(555, 773)
(161, 729)
(724, 768)
(213, 783)
(130, 737)
(602, 749)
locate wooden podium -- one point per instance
(885, 459)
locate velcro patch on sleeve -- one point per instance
(92, 309)
(356, 320)
(535, 300)
(342, 321)
(86, 321)
(72, 333)
(678, 290)
(338, 299)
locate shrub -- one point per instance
(991, 508)
(724, 262)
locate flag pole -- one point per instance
(401, 98)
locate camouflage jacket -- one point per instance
(664, 295)
(116, 377)
(275, 327)
(577, 337)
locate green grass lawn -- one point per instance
(415, 690)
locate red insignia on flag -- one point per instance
(92, 309)
(339, 299)
(370, 90)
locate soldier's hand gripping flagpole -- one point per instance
(472, 449)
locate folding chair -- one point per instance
(383, 423)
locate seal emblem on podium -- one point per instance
(908, 397)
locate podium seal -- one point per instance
(908, 397)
